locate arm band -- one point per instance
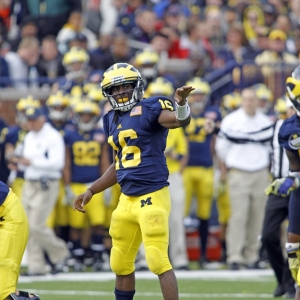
(91, 191)
(182, 112)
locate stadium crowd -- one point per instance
(237, 55)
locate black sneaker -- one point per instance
(60, 267)
(28, 273)
(290, 295)
(234, 266)
(279, 291)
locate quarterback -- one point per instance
(289, 136)
(137, 129)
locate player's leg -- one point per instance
(204, 194)
(153, 213)
(275, 213)
(236, 230)
(126, 240)
(96, 216)
(177, 247)
(78, 222)
(13, 238)
(223, 206)
(188, 179)
(293, 244)
(257, 183)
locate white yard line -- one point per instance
(148, 294)
(242, 275)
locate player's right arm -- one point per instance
(108, 179)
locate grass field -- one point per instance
(247, 285)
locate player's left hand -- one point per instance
(182, 93)
(82, 200)
(283, 186)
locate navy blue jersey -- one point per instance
(139, 142)
(200, 152)
(4, 190)
(85, 154)
(15, 136)
(289, 134)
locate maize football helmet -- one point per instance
(76, 63)
(89, 108)
(58, 107)
(22, 105)
(230, 103)
(199, 97)
(265, 97)
(147, 61)
(120, 74)
(293, 89)
(160, 86)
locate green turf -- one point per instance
(150, 289)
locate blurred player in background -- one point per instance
(86, 160)
(199, 174)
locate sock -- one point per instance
(64, 233)
(77, 250)
(203, 230)
(97, 245)
(124, 295)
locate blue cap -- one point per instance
(33, 113)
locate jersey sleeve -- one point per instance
(155, 105)
(12, 136)
(288, 136)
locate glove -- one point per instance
(283, 186)
(69, 196)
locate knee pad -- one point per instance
(158, 262)
(23, 296)
(118, 265)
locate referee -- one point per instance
(275, 213)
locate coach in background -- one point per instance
(43, 158)
(243, 147)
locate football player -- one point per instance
(198, 175)
(14, 143)
(289, 136)
(137, 131)
(14, 232)
(86, 159)
(59, 116)
(147, 63)
(76, 62)
(265, 97)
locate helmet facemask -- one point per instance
(131, 97)
(84, 125)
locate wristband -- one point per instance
(91, 191)
(182, 112)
